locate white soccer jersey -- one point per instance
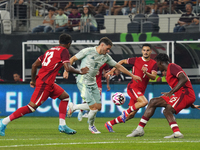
(93, 60)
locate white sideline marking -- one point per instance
(85, 143)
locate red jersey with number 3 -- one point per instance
(173, 71)
(138, 63)
(52, 61)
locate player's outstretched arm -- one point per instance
(111, 72)
(195, 106)
(35, 65)
(124, 70)
(69, 68)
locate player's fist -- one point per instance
(84, 70)
(32, 84)
(65, 74)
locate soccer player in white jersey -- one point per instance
(94, 58)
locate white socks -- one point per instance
(62, 122)
(139, 128)
(6, 120)
(91, 117)
(83, 106)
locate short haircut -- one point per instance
(61, 8)
(65, 38)
(149, 45)
(51, 8)
(162, 57)
(189, 4)
(105, 40)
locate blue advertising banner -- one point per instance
(13, 96)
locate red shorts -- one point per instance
(43, 91)
(134, 93)
(180, 100)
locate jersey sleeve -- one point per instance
(131, 61)
(82, 53)
(175, 70)
(41, 58)
(110, 61)
(64, 56)
(155, 67)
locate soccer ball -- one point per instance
(118, 98)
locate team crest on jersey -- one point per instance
(102, 59)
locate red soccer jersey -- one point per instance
(138, 63)
(99, 75)
(52, 61)
(173, 71)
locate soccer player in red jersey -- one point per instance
(144, 67)
(105, 68)
(51, 62)
(181, 96)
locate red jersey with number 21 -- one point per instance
(52, 61)
(138, 63)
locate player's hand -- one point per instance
(167, 94)
(32, 84)
(195, 106)
(136, 78)
(108, 88)
(84, 70)
(65, 75)
(108, 74)
(144, 69)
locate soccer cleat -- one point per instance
(124, 116)
(109, 127)
(174, 135)
(70, 110)
(136, 133)
(86, 115)
(66, 129)
(2, 128)
(94, 130)
(80, 116)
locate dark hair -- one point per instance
(51, 8)
(162, 57)
(149, 45)
(61, 8)
(65, 38)
(75, 7)
(105, 40)
(89, 11)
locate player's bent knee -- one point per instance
(31, 108)
(65, 99)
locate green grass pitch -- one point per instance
(37, 133)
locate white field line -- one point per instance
(114, 142)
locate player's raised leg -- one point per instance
(73, 107)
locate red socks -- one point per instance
(20, 112)
(63, 109)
